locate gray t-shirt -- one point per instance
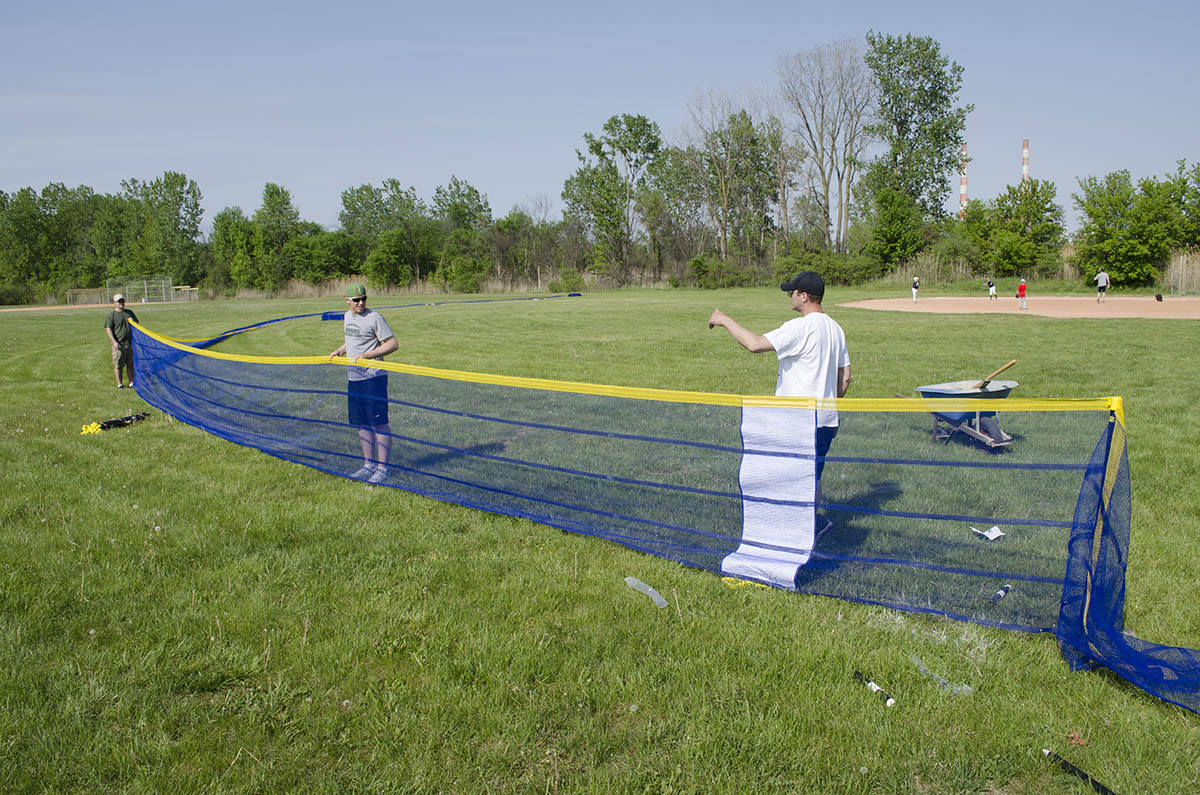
(364, 332)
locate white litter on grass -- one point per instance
(990, 535)
(958, 690)
(638, 585)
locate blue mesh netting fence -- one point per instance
(727, 484)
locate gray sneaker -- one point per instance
(381, 472)
(362, 472)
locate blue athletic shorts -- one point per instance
(366, 402)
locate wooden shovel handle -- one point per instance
(982, 383)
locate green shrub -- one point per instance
(711, 273)
(464, 274)
(834, 268)
(568, 281)
(12, 294)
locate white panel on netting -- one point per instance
(778, 478)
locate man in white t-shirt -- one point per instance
(813, 358)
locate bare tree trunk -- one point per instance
(829, 89)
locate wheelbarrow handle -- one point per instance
(985, 381)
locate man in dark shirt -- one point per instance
(120, 334)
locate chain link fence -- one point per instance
(136, 289)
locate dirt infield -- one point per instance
(49, 307)
(1050, 306)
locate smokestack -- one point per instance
(962, 190)
(1025, 162)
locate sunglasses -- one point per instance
(358, 300)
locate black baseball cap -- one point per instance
(806, 282)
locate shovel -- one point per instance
(988, 380)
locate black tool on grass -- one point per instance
(121, 422)
(1074, 771)
(887, 700)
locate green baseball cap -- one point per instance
(355, 290)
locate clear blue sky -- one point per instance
(322, 97)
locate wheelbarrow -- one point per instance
(980, 425)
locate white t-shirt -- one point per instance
(810, 351)
(364, 333)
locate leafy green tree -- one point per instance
(407, 212)
(168, 229)
(510, 239)
(1020, 232)
(672, 207)
(1188, 185)
(1128, 231)
(45, 240)
(68, 214)
(301, 259)
(603, 191)
(1013, 253)
(592, 198)
(112, 232)
(275, 223)
(464, 215)
(739, 179)
(336, 254)
(24, 259)
(464, 263)
(785, 157)
(977, 226)
(363, 213)
(388, 263)
(306, 253)
(459, 205)
(898, 225)
(401, 256)
(917, 121)
(231, 245)
(809, 218)
(954, 245)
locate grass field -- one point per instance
(181, 614)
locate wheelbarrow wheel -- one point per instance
(991, 428)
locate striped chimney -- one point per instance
(962, 190)
(1025, 161)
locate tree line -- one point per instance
(846, 168)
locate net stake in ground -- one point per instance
(874, 688)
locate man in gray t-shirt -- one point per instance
(367, 336)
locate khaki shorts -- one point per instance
(123, 355)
